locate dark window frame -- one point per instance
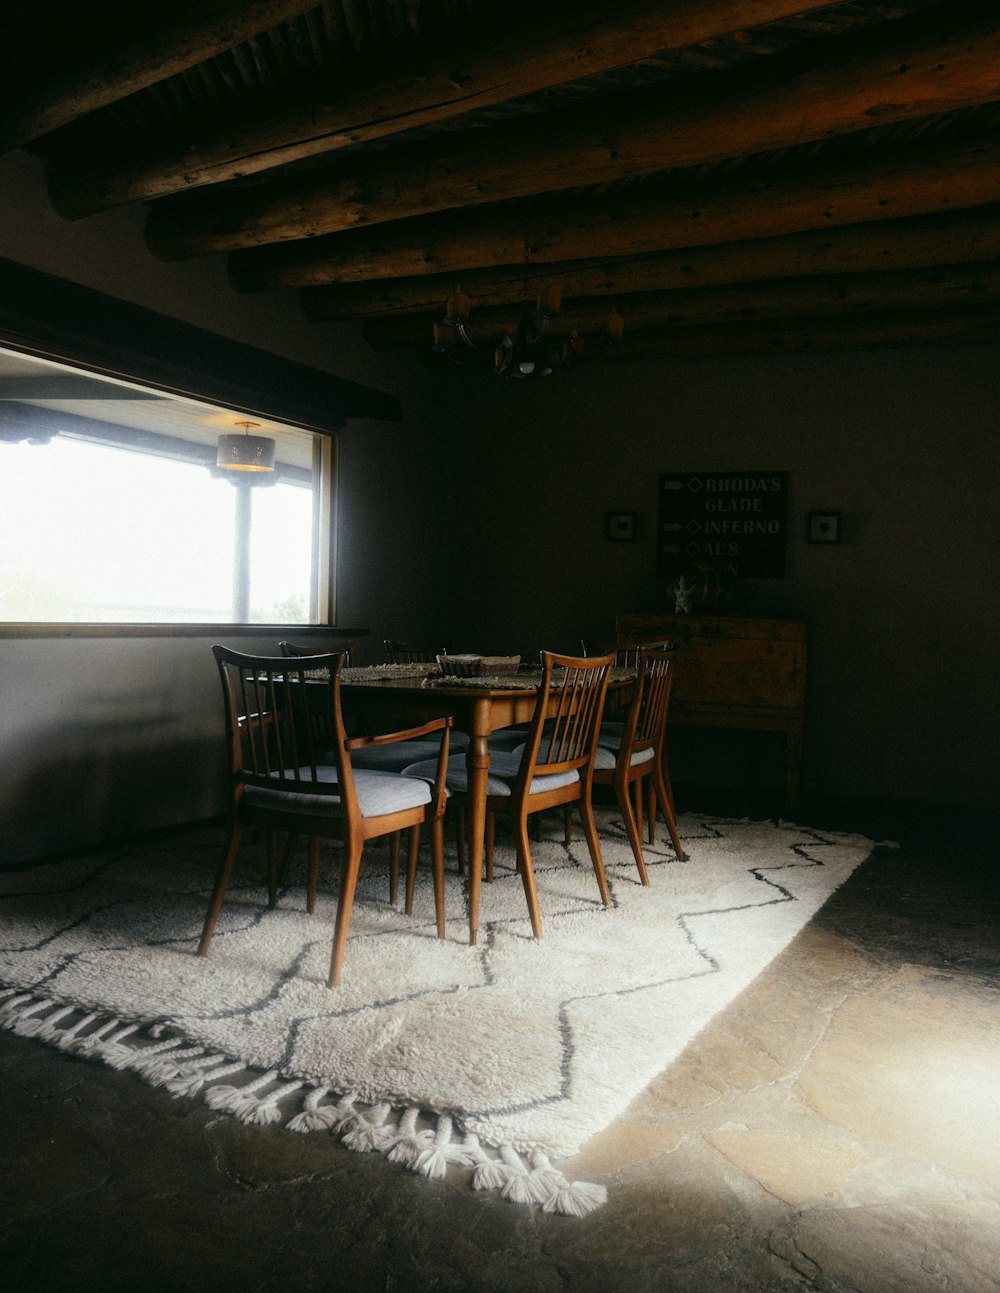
(54, 319)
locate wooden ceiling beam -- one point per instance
(818, 297)
(953, 238)
(873, 188)
(141, 59)
(940, 62)
(974, 325)
(480, 68)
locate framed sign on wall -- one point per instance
(737, 521)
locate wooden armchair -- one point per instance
(346, 649)
(281, 716)
(633, 752)
(555, 768)
(413, 652)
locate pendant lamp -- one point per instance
(245, 452)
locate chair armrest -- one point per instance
(392, 738)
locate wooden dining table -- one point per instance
(389, 702)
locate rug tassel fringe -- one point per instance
(111, 1050)
(314, 1116)
(185, 1069)
(27, 1023)
(265, 1110)
(367, 1134)
(13, 1001)
(408, 1143)
(48, 1028)
(490, 1174)
(434, 1160)
(576, 1199)
(155, 1063)
(243, 1101)
(194, 1078)
(67, 1041)
(516, 1188)
(90, 1045)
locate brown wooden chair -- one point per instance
(555, 768)
(346, 649)
(634, 752)
(378, 758)
(413, 652)
(591, 646)
(385, 758)
(626, 656)
(281, 717)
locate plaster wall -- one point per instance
(105, 737)
(903, 615)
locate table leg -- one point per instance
(477, 762)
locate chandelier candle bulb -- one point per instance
(550, 301)
(444, 336)
(615, 326)
(459, 305)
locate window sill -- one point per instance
(26, 630)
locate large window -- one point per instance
(112, 509)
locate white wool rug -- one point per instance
(501, 1057)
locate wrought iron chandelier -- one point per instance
(531, 350)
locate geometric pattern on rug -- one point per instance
(499, 1058)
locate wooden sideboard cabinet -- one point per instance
(734, 672)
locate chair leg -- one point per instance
(345, 903)
(312, 883)
(527, 874)
(637, 790)
(594, 844)
(437, 860)
(665, 775)
(632, 828)
(219, 892)
(272, 870)
(412, 855)
(394, 845)
(667, 807)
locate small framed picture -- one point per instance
(621, 527)
(823, 527)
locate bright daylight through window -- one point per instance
(112, 508)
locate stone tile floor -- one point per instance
(836, 1129)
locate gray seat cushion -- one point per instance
(388, 792)
(378, 793)
(508, 738)
(605, 759)
(394, 758)
(503, 771)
